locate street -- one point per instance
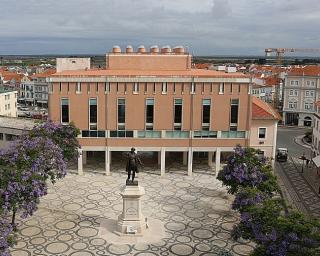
(299, 183)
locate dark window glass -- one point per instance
(85, 134)
(178, 111)
(93, 133)
(113, 134)
(234, 111)
(93, 111)
(1, 136)
(262, 133)
(206, 110)
(149, 110)
(129, 133)
(121, 111)
(121, 134)
(65, 111)
(101, 134)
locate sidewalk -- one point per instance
(299, 140)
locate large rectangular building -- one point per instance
(153, 101)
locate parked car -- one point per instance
(282, 155)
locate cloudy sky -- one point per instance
(207, 27)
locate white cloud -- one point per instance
(207, 26)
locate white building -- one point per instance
(8, 102)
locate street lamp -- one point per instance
(302, 158)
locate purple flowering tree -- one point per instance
(26, 167)
(264, 218)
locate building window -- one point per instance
(174, 88)
(117, 87)
(193, 87)
(292, 104)
(309, 93)
(149, 114)
(164, 88)
(97, 87)
(78, 87)
(308, 106)
(234, 112)
(182, 88)
(93, 114)
(211, 87)
(221, 88)
(206, 106)
(68, 87)
(154, 87)
(294, 82)
(64, 110)
(121, 114)
(1, 136)
(293, 92)
(145, 87)
(177, 114)
(262, 133)
(125, 88)
(202, 88)
(135, 88)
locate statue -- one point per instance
(132, 165)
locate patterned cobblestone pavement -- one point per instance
(195, 211)
(302, 193)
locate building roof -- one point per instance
(16, 123)
(6, 90)
(263, 110)
(44, 74)
(311, 70)
(146, 73)
(8, 76)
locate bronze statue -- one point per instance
(132, 164)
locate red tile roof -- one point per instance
(263, 110)
(305, 71)
(8, 76)
(44, 74)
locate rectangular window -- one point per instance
(64, 110)
(135, 88)
(211, 87)
(145, 87)
(202, 88)
(174, 88)
(193, 87)
(1, 136)
(60, 87)
(182, 88)
(206, 106)
(221, 88)
(78, 87)
(154, 87)
(121, 114)
(234, 112)
(125, 88)
(149, 114)
(93, 114)
(164, 88)
(68, 87)
(177, 114)
(262, 133)
(308, 106)
(97, 87)
(117, 87)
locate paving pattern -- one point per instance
(303, 195)
(195, 211)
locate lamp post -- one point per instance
(302, 158)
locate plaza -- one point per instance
(195, 211)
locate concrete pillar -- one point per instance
(107, 161)
(218, 153)
(80, 165)
(159, 157)
(84, 157)
(190, 160)
(163, 162)
(185, 158)
(210, 154)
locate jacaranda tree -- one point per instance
(25, 169)
(264, 217)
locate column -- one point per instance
(190, 160)
(107, 161)
(218, 152)
(84, 157)
(159, 157)
(210, 159)
(80, 165)
(163, 162)
(185, 158)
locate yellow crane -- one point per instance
(281, 51)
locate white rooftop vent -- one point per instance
(231, 70)
(166, 49)
(141, 49)
(154, 49)
(116, 49)
(129, 49)
(178, 49)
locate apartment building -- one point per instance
(8, 102)
(301, 91)
(153, 101)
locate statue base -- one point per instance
(131, 221)
(131, 183)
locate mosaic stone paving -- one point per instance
(303, 194)
(195, 212)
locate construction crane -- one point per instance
(281, 51)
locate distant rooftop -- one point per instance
(16, 123)
(5, 90)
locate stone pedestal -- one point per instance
(131, 221)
